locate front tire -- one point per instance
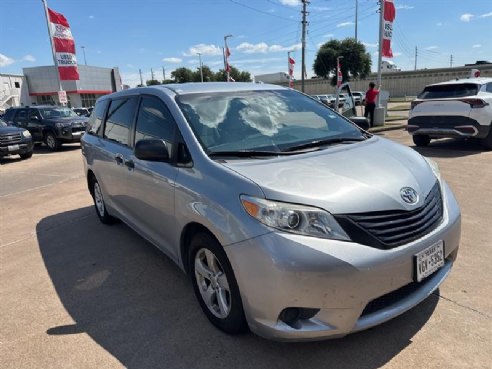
(27, 155)
(215, 285)
(52, 142)
(421, 140)
(101, 211)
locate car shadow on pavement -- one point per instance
(451, 148)
(10, 159)
(43, 149)
(139, 306)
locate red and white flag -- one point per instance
(291, 72)
(389, 17)
(227, 54)
(64, 46)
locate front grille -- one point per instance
(78, 129)
(10, 139)
(388, 229)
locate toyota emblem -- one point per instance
(409, 195)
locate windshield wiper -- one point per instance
(328, 141)
(245, 153)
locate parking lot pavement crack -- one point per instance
(463, 306)
(41, 187)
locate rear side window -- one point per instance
(489, 87)
(97, 116)
(154, 121)
(119, 120)
(449, 91)
(9, 115)
(21, 116)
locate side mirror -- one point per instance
(34, 118)
(152, 150)
(361, 122)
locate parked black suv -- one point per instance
(15, 141)
(53, 125)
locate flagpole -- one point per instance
(60, 88)
(288, 68)
(380, 53)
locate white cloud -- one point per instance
(172, 60)
(91, 17)
(486, 15)
(476, 46)
(328, 35)
(262, 47)
(290, 2)
(5, 60)
(29, 58)
(431, 47)
(367, 44)
(466, 17)
(257, 61)
(397, 54)
(203, 49)
(439, 24)
(404, 7)
(345, 24)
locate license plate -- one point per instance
(429, 260)
(13, 147)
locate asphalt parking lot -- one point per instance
(77, 294)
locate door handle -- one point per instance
(118, 159)
(130, 164)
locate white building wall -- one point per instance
(10, 90)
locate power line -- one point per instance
(261, 11)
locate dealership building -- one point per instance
(39, 85)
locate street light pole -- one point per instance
(226, 58)
(201, 67)
(83, 50)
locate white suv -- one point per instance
(459, 108)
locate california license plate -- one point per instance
(429, 260)
(13, 147)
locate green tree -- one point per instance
(182, 75)
(152, 82)
(236, 74)
(356, 62)
(208, 75)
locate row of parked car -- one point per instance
(22, 128)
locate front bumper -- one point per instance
(16, 149)
(71, 135)
(343, 280)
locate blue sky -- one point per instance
(145, 34)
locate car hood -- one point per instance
(72, 120)
(9, 130)
(348, 178)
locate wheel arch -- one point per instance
(90, 178)
(187, 234)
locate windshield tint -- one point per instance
(58, 112)
(449, 91)
(261, 120)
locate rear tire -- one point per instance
(52, 142)
(421, 140)
(99, 203)
(487, 141)
(215, 284)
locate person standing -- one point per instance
(371, 96)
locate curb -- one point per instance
(388, 127)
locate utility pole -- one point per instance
(163, 74)
(416, 53)
(151, 74)
(201, 67)
(141, 80)
(227, 67)
(356, 17)
(83, 50)
(451, 61)
(380, 53)
(304, 23)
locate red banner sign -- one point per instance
(388, 17)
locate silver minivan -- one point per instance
(290, 220)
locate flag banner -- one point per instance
(388, 17)
(64, 46)
(227, 54)
(291, 72)
(339, 73)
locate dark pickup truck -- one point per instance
(53, 125)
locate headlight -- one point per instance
(434, 166)
(26, 133)
(62, 125)
(305, 220)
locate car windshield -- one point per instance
(449, 91)
(57, 112)
(262, 121)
